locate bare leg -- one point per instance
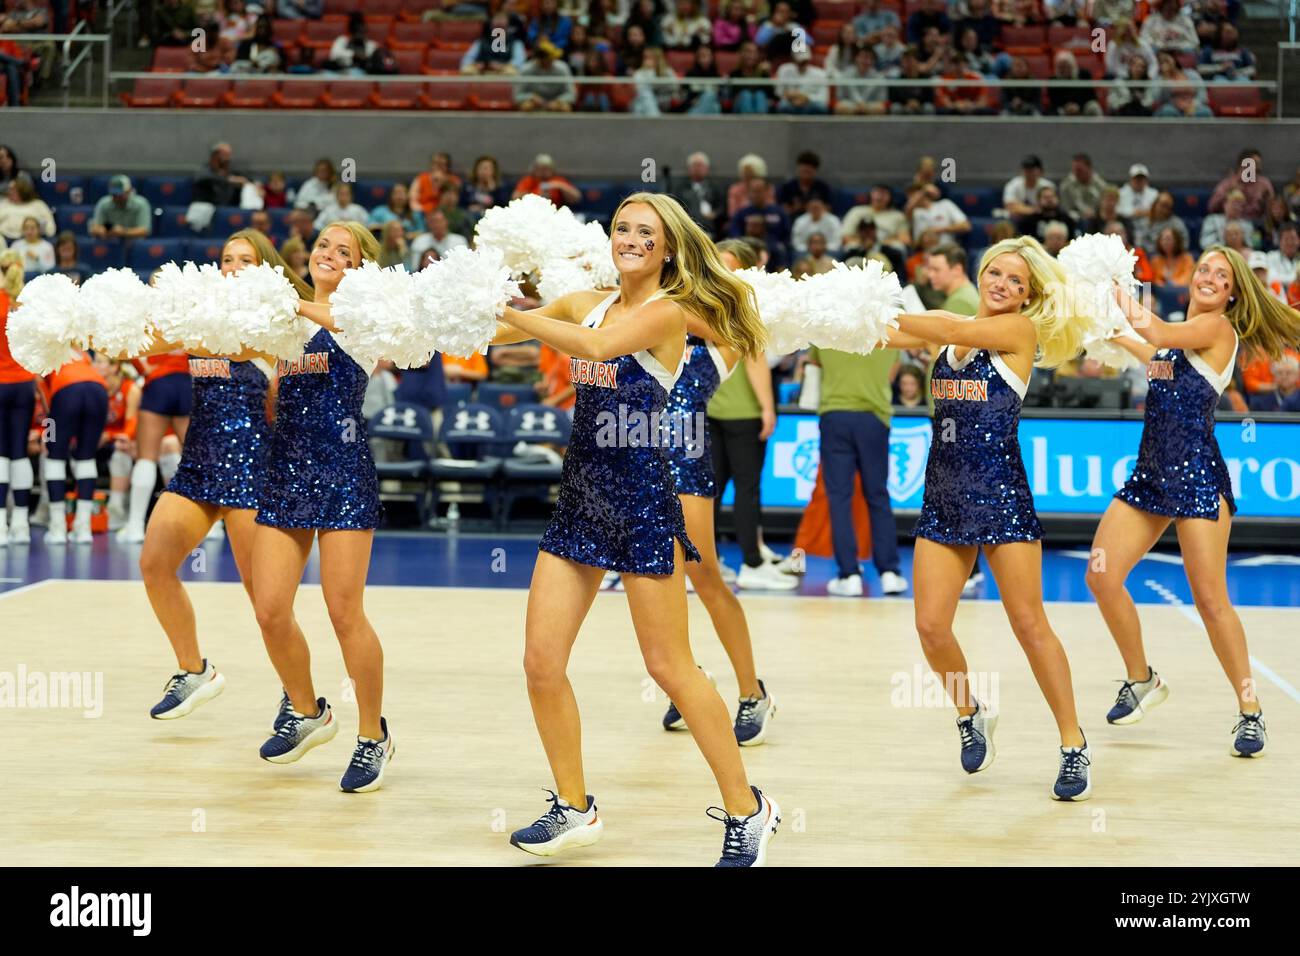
(1123, 537)
(1205, 557)
(939, 572)
(720, 601)
(558, 601)
(1018, 569)
(344, 561)
(279, 556)
(658, 605)
(178, 527)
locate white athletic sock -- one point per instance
(84, 510)
(167, 465)
(143, 478)
(58, 515)
(116, 499)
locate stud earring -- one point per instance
(667, 259)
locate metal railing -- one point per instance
(64, 43)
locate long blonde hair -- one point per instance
(366, 242)
(1051, 305)
(1263, 322)
(11, 265)
(267, 255)
(697, 280)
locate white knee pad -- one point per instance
(20, 474)
(119, 464)
(4, 471)
(82, 470)
(55, 470)
(167, 465)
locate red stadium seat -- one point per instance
(321, 34)
(298, 96)
(4, 91)
(825, 34)
(383, 8)
(492, 96)
(1075, 38)
(203, 93)
(442, 61)
(152, 94)
(445, 96)
(409, 62)
(680, 60)
(413, 11)
(287, 33)
(1040, 65)
(726, 61)
(378, 24)
(170, 59)
(1227, 99)
(347, 94)
(340, 8)
(251, 94)
(834, 11)
(1027, 39)
(397, 96)
(412, 36)
(459, 34)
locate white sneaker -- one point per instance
(893, 583)
(20, 532)
(845, 587)
(559, 828)
(972, 582)
(81, 533)
(131, 534)
(728, 574)
(767, 554)
(765, 577)
(56, 534)
(791, 565)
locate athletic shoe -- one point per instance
(767, 554)
(744, 842)
(369, 760)
(765, 577)
(1074, 780)
(728, 574)
(56, 534)
(1249, 736)
(300, 733)
(81, 533)
(977, 750)
(850, 586)
(673, 720)
(560, 827)
(891, 582)
(20, 532)
(186, 690)
(283, 714)
(130, 533)
(792, 564)
(753, 716)
(1137, 697)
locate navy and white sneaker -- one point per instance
(369, 760)
(559, 828)
(300, 733)
(284, 713)
(186, 690)
(1074, 779)
(1137, 697)
(744, 842)
(1249, 736)
(753, 716)
(673, 719)
(977, 750)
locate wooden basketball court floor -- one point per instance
(861, 778)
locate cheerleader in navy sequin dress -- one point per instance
(618, 507)
(1180, 476)
(219, 478)
(977, 494)
(320, 485)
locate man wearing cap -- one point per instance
(549, 84)
(1137, 196)
(543, 181)
(1020, 194)
(802, 87)
(122, 214)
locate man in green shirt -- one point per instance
(945, 267)
(855, 412)
(122, 214)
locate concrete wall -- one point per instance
(616, 147)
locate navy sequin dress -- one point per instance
(976, 490)
(618, 507)
(319, 470)
(1180, 472)
(689, 453)
(225, 447)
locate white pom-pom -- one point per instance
(1110, 354)
(48, 321)
(264, 312)
(459, 298)
(528, 231)
(116, 304)
(188, 303)
(1095, 264)
(851, 308)
(780, 306)
(373, 311)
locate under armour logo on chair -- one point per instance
(479, 421)
(532, 421)
(404, 417)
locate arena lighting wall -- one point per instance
(1076, 459)
(854, 150)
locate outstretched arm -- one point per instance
(1196, 333)
(1009, 332)
(656, 322)
(1141, 351)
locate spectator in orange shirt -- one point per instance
(1172, 264)
(427, 188)
(555, 389)
(967, 100)
(543, 181)
(1257, 375)
(472, 369)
